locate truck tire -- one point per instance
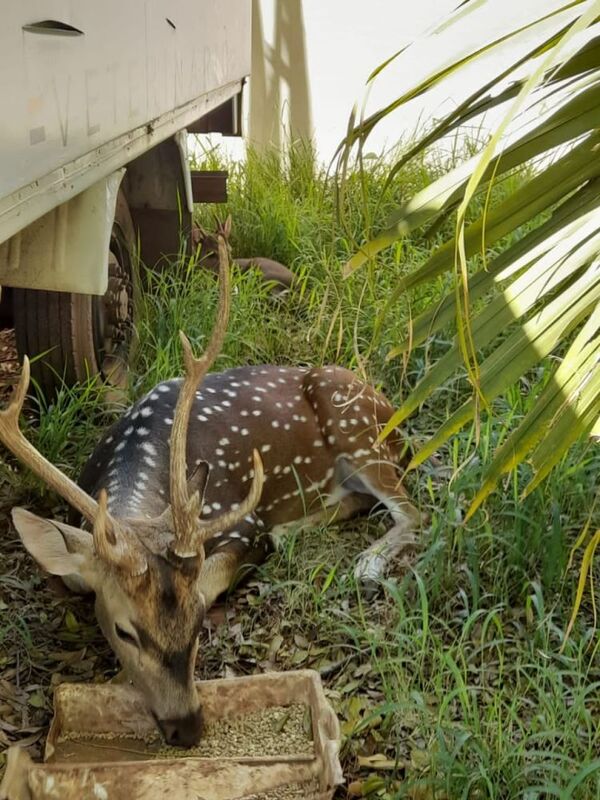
(76, 336)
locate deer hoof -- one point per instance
(398, 546)
(370, 570)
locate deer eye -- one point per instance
(124, 636)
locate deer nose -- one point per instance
(183, 732)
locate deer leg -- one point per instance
(231, 555)
(397, 545)
(333, 508)
(271, 271)
(381, 481)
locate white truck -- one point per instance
(98, 99)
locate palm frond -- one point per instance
(540, 295)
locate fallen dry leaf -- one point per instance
(380, 761)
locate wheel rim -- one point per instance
(113, 315)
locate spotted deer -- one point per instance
(195, 482)
(273, 272)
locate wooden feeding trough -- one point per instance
(268, 737)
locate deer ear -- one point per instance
(58, 548)
(199, 235)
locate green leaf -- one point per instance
(71, 623)
(546, 285)
(559, 266)
(481, 41)
(538, 194)
(533, 341)
(564, 224)
(574, 118)
(37, 699)
(564, 411)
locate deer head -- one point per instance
(146, 573)
(208, 243)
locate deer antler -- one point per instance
(12, 437)
(190, 532)
(107, 533)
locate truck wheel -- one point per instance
(77, 336)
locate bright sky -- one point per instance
(344, 40)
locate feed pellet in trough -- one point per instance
(274, 731)
(294, 791)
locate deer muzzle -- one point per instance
(184, 731)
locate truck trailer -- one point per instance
(98, 102)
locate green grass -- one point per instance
(454, 678)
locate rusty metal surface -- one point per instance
(209, 187)
(155, 185)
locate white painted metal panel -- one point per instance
(67, 248)
(66, 97)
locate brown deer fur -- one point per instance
(273, 272)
